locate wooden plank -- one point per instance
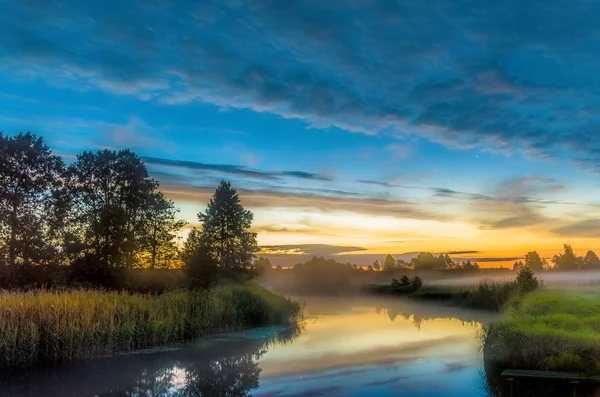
(523, 373)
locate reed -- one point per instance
(46, 326)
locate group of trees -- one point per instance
(105, 208)
(567, 260)
(424, 261)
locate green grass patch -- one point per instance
(45, 326)
(547, 330)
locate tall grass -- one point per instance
(44, 326)
(550, 330)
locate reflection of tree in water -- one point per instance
(226, 368)
(421, 314)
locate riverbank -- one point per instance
(547, 330)
(45, 326)
(491, 296)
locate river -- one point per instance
(346, 347)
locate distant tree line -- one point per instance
(567, 260)
(105, 212)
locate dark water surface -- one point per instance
(356, 347)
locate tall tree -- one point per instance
(198, 263)
(568, 260)
(29, 174)
(389, 263)
(534, 262)
(111, 193)
(159, 246)
(226, 229)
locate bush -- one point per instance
(526, 281)
(404, 280)
(43, 326)
(200, 268)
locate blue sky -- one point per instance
(392, 126)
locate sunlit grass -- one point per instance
(548, 330)
(44, 326)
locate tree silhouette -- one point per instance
(111, 194)
(199, 265)
(263, 265)
(591, 260)
(534, 262)
(158, 243)
(389, 263)
(30, 175)
(226, 229)
(568, 260)
(376, 265)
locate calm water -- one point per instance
(346, 348)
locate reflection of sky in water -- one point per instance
(347, 348)
(358, 352)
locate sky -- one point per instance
(377, 126)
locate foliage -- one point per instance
(534, 262)
(428, 261)
(226, 229)
(111, 194)
(30, 176)
(548, 330)
(376, 265)
(389, 263)
(591, 260)
(44, 326)
(201, 267)
(404, 280)
(158, 244)
(568, 260)
(526, 280)
(263, 266)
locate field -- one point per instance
(45, 326)
(547, 330)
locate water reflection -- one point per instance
(225, 366)
(355, 347)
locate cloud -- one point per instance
(507, 75)
(309, 249)
(589, 228)
(268, 198)
(231, 169)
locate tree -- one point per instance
(389, 263)
(111, 194)
(526, 281)
(376, 265)
(30, 175)
(199, 265)
(158, 244)
(263, 265)
(427, 261)
(226, 229)
(370, 268)
(568, 260)
(518, 266)
(591, 260)
(534, 262)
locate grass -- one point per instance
(547, 330)
(45, 326)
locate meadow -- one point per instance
(547, 330)
(51, 326)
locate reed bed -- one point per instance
(46, 326)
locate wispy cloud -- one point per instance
(471, 79)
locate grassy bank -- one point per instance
(547, 330)
(40, 326)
